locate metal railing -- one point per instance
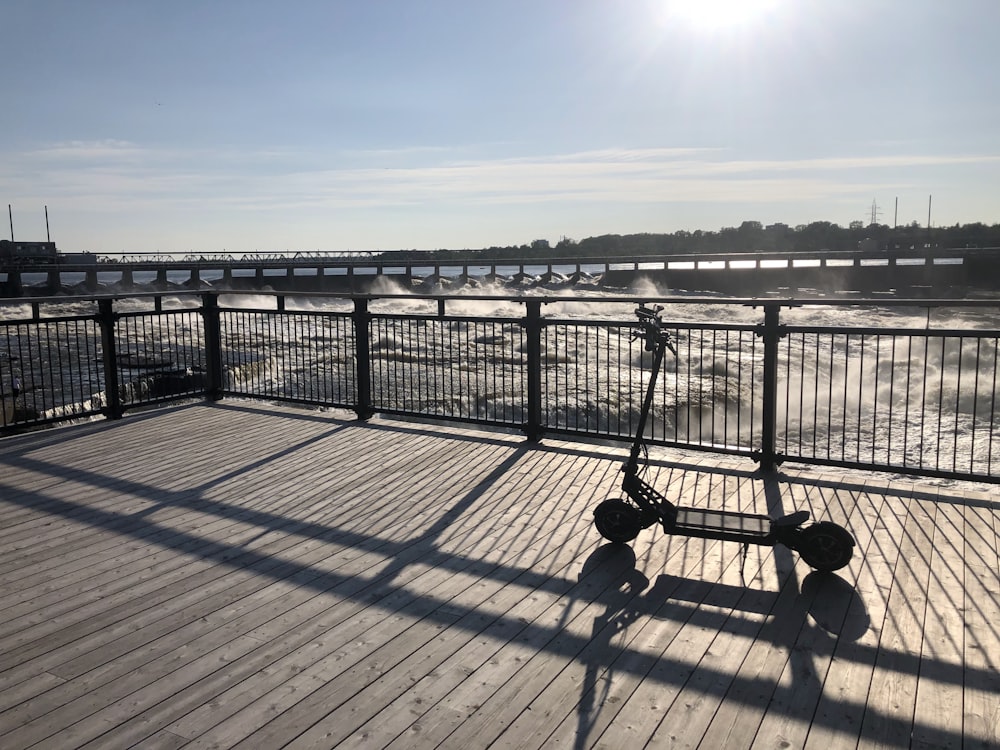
(891, 397)
(766, 384)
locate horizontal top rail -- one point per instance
(787, 328)
(36, 303)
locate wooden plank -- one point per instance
(826, 599)
(801, 683)
(757, 677)
(939, 701)
(877, 526)
(888, 716)
(273, 666)
(161, 740)
(981, 705)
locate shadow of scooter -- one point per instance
(800, 620)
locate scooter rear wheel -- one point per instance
(826, 546)
(617, 520)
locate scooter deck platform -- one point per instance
(727, 525)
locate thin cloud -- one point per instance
(90, 150)
(853, 163)
(113, 175)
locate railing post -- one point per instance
(106, 319)
(213, 344)
(533, 332)
(771, 333)
(362, 356)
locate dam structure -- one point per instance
(912, 272)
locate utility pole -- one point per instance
(929, 198)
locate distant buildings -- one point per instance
(27, 251)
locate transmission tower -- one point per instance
(876, 213)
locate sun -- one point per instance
(717, 14)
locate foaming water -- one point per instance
(242, 301)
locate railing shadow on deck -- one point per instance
(826, 603)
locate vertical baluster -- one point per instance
(923, 399)
(940, 405)
(860, 400)
(878, 362)
(958, 401)
(975, 407)
(993, 410)
(815, 395)
(891, 421)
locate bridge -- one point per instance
(912, 270)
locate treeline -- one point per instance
(749, 237)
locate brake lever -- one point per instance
(669, 343)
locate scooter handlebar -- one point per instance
(651, 328)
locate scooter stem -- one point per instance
(632, 467)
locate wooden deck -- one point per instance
(242, 575)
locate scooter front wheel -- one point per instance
(617, 520)
(825, 546)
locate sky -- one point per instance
(242, 126)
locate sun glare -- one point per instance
(717, 14)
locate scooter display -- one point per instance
(825, 546)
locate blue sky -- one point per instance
(376, 125)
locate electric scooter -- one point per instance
(825, 546)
